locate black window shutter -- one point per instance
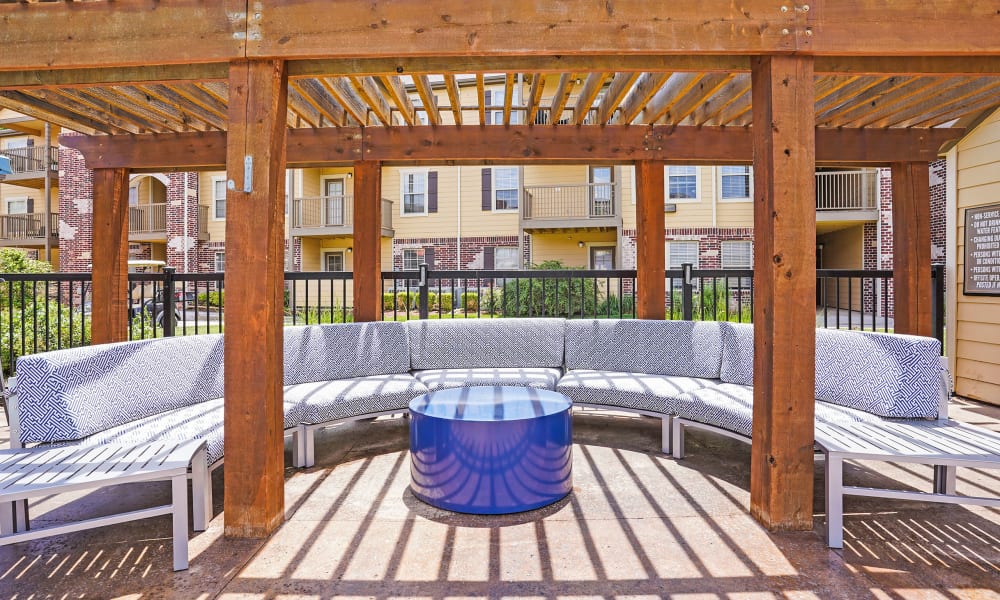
(30, 142)
(487, 189)
(489, 261)
(432, 191)
(31, 205)
(429, 256)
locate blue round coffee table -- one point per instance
(490, 450)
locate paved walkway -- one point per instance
(638, 525)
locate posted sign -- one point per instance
(982, 251)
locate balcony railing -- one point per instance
(27, 226)
(575, 201)
(147, 218)
(336, 212)
(26, 161)
(847, 190)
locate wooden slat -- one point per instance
(841, 94)
(255, 250)
(314, 93)
(650, 280)
(698, 95)
(560, 98)
(481, 97)
(110, 305)
(725, 97)
(675, 87)
(341, 91)
(644, 89)
(946, 92)
(519, 144)
(184, 106)
(848, 103)
(397, 91)
(202, 102)
(22, 103)
(957, 105)
(617, 89)
(163, 74)
(736, 110)
(911, 247)
(133, 108)
(367, 241)
(901, 98)
(369, 93)
(781, 464)
(508, 97)
(591, 87)
(454, 97)
(79, 101)
(423, 85)
(302, 109)
(534, 98)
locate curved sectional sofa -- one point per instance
(689, 374)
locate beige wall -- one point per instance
(566, 246)
(843, 249)
(977, 318)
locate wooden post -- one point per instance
(911, 248)
(367, 240)
(781, 470)
(254, 283)
(110, 300)
(649, 243)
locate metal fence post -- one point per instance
(424, 297)
(168, 301)
(937, 303)
(687, 293)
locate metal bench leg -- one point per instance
(7, 517)
(944, 479)
(299, 447)
(677, 439)
(201, 503)
(665, 434)
(834, 501)
(21, 515)
(309, 446)
(180, 513)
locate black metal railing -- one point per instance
(50, 311)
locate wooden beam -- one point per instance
(784, 313)
(315, 93)
(919, 91)
(508, 97)
(188, 100)
(372, 96)
(110, 317)
(959, 104)
(698, 95)
(397, 91)
(911, 248)
(619, 86)
(454, 97)
(93, 102)
(871, 94)
(303, 110)
(560, 97)
(644, 89)
(534, 97)
(650, 279)
(584, 100)
(423, 85)
(713, 106)
(737, 110)
(341, 91)
(518, 144)
(481, 97)
(367, 241)
(675, 87)
(255, 250)
(162, 74)
(22, 103)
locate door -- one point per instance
(602, 257)
(601, 192)
(333, 197)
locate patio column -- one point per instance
(367, 240)
(254, 281)
(781, 471)
(110, 296)
(911, 248)
(650, 251)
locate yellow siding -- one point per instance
(566, 246)
(216, 227)
(977, 346)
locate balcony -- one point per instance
(28, 166)
(147, 222)
(28, 229)
(573, 206)
(847, 195)
(331, 216)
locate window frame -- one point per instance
(402, 192)
(215, 199)
(342, 252)
(592, 250)
(732, 282)
(215, 261)
(749, 176)
(516, 188)
(10, 199)
(697, 253)
(514, 250)
(416, 255)
(666, 185)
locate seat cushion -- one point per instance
(345, 350)
(729, 406)
(322, 401)
(541, 378)
(676, 348)
(639, 391)
(486, 343)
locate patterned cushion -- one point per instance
(70, 394)
(655, 393)
(323, 401)
(737, 353)
(436, 379)
(678, 348)
(342, 351)
(885, 374)
(730, 407)
(486, 343)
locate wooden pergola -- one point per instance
(255, 87)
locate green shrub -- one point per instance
(470, 301)
(491, 300)
(615, 306)
(388, 301)
(445, 301)
(321, 316)
(212, 299)
(406, 300)
(552, 297)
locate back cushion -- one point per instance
(676, 348)
(70, 394)
(342, 351)
(737, 353)
(486, 343)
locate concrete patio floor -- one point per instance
(638, 525)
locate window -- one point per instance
(682, 184)
(602, 191)
(505, 258)
(735, 183)
(419, 111)
(494, 98)
(334, 261)
(220, 262)
(602, 257)
(219, 198)
(505, 188)
(411, 259)
(738, 255)
(17, 206)
(414, 193)
(679, 253)
(334, 201)
(133, 196)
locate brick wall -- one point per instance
(76, 215)
(446, 250)
(709, 243)
(182, 186)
